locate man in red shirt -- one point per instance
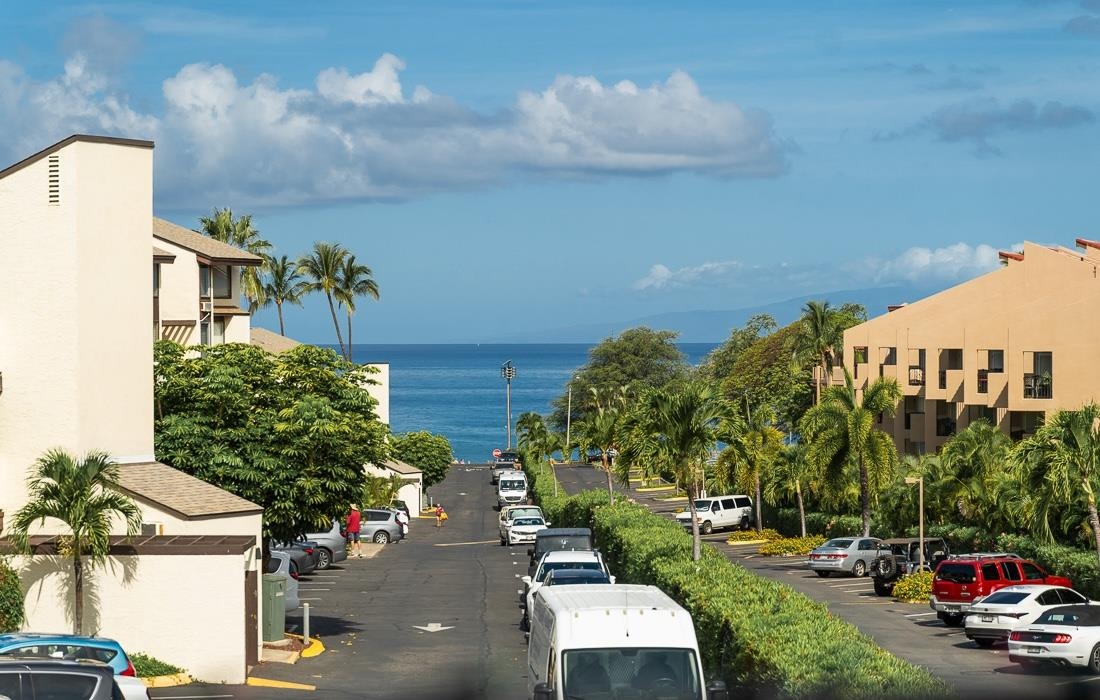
(353, 533)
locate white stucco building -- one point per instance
(76, 223)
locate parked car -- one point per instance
(554, 539)
(961, 580)
(283, 563)
(332, 546)
(509, 513)
(562, 559)
(719, 512)
(850, 555)
(379, 525)
(512, 489)
(902, 557)
(525, 528)
(571, 577)
(502, 468)
(1068, 635)
(992, 618)
(306, 561)
(31, 678)
(98, 650)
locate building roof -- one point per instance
(86, 138)
(205, 247)
(163, 256)
(180, 545)
(180, 492)
(271, 341)
(400, 467)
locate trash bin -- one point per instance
(274, 609)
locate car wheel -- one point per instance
(324, 560)
(745, 523)
(524, 625)
(1094, 660)
(381, 537)
(953, 620)
(883, 588)
(986, 643)
(706, 528)
(860, 569)
(823, 574)
(503, 542)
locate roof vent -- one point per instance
(54, 170)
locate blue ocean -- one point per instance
(458, 391)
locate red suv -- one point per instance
(961, 581)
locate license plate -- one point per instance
(1034, 650)
(987, 618)
(951, 608)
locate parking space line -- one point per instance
(307, 588)
(849, 584)
(1079, 680)
(926, 614)
(301, 598)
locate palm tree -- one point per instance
(79, 493)
(841, 434)
(601, 430)
(283, 285)
(753, 449)
(532, 435)
(1062, 462)
(818, 335)
(682, 429)
(322, 269)
(354, 280)
(790, 472)
(240, 233)
(973, 458)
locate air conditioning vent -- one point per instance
(150, 529)
(206, 306)
(53, 166)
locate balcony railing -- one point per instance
(916, 375)
(1037, 386)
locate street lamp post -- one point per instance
(568, 421)
(508, 371)
(919, 480)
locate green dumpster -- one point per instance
(274, 609)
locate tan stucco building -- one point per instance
(1007, 346)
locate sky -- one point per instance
(510, 165)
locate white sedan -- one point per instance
(992, 618)
(1068, 635)
(525, 529)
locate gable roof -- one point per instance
(86, 138)
(400, 467)
(206, 248)
(270, 341)
(172, 489)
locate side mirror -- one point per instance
(716, 690)
(548, 523)
(611, 578)
(543, 691)
(526, 579)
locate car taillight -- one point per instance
(1015, 637)
(1062, 639)
(294, 575)
(838, 556)
(309, 550)
(129, 669)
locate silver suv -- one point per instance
(379, 526)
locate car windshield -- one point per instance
(1005, 598)
(555, 565)
(839, 544)
(587, 577)
(632, 672)
(702, 505)
(527, 521)
(524, 513)
(553, 544)
(512, 484)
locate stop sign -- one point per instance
(496, 453)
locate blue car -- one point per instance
(67, 646)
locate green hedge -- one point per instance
(753, 632)
(825, 524)
(791, 546)
(11, 599)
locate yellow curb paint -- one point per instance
(745, 541)
(268, 683)
(315, 648)
(654, 488)
(168, 681)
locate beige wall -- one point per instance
(76, 364)
(181, 609)
(381, 391)
(1039, 304)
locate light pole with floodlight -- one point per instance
(919, 480)
(508, 371)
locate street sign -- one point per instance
(496, 453)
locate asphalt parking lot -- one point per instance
(909, 631)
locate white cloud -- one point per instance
(709, 273)
(954, 262)
(359, 136)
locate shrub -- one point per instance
(791, 546)
(914, 588)
(12, 612)
(766, 534)
(146, 666)
(827, 524)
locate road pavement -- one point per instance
(909, 631)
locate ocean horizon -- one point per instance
(456, 389)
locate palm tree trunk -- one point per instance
(78, 590)
(1094, 522)
(817, 384)
(335, 322)
(607, 470)
(349, 336)
(759, 499)
(801, 506)
(282, 328)
(864, 498)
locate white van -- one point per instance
(719, 512)
(613, 640)
(512, 489)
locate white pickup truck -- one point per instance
(719, 512)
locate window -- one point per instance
(743, 502)
(865, 545)
(956, 572)
(1050, 597)
(222, 287)
(1070, 597)
(9, 686)
(1032, 572)
(219, 332)
(1011, 571)
(860, 354)
(889, 356)
(989, 572)
(727, 504)
(995, 361)
(64, 685)
(377, 516)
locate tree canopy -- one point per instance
(429, 453)
(767, 374)
(289, 432)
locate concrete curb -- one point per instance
(168, 681)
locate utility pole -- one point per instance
(508, 371)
